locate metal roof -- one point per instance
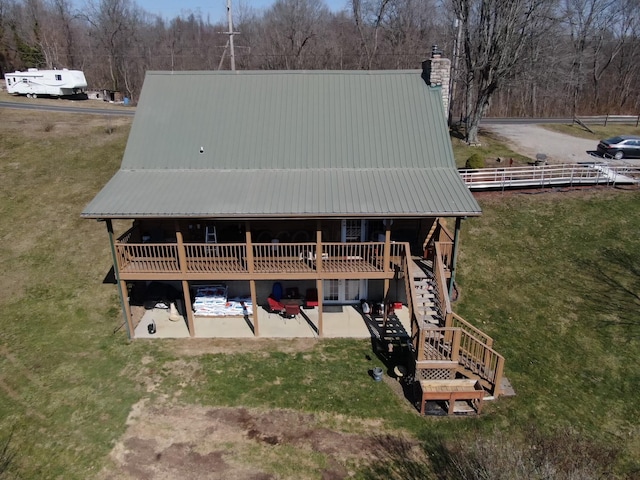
(286, 143)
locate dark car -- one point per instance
(622, 146)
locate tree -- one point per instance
(494, 33)
(368, 16)
(291, 29)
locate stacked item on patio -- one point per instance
(211, 301)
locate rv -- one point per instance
(54, 83)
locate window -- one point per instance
(59, 77)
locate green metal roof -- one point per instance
(286, 143)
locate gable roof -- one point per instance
(286, 143)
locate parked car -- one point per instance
(622, 146)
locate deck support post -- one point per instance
(182, 256)
(319, 249)
(187, 308)
(254, 302)
(385, 267)
(249, 252)
(454, 259)
(120, 284)
(319, 285)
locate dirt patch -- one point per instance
(168, 442)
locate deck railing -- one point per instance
(265, 257)
(458, 341)
(148, 257)
(458, 345)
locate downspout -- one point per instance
(117, 275)
(454, 260)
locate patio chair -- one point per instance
(292, 310)
(274, 306)
(311, 298)
(276, 291)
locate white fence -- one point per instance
(575, 174)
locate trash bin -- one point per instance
(377, 374)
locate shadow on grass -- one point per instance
(6, 454)
(614, 289)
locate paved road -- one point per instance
(69, 108)
(531, 140)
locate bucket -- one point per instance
(377, 374)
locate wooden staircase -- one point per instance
(446, 347)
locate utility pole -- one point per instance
(231, 33)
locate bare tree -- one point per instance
(368, 16)
(494, 33)
(111, 25)
(291, 28)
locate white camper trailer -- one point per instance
(55, 83)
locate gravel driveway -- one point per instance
(531, 140)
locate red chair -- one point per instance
(311, 298)
(274, 306)
(292, 310)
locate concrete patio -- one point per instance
(349, 323)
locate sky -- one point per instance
(216, 10)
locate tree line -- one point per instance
(537, 58)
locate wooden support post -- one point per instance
(420, 346)
(127, 306)
(318, 250)
(454, 257)
(182, 255)
(387, 248)
(187, 308)
(455, 345)
(254, 301)
(320, 297)
(250, 260)
(384, 301)
(497, 389)
(116, 271)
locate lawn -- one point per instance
(553, 277)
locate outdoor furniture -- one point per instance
(311, 298)
(274, 306)
(450, 391)
(292, 310)
(292, 292)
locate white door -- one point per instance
(347, 291)
(344, 291)
(353, 231)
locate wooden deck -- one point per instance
(193, 260)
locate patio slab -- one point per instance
(346, 324)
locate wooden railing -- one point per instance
(148, 257)
(458, 345)
(265, 257)
(458, 341)
(219, 258)
(458, 322)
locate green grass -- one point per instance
(599, 131)
(553, 277)
(490, 148)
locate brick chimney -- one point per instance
(436, 72)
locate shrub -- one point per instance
(475, 161)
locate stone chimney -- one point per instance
(437, 72)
